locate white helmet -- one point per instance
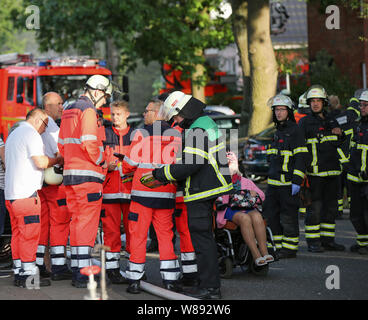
(316, 91)
(280, 100)
(52, 177)
(364, 96)
(98, 82)
(174, 103)
(303, 101)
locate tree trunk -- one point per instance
(263, 66)
(198, 90)
(239, 23)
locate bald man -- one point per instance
(55, 217)
(25, 160)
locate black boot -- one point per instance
(134, 287)
(115, 276)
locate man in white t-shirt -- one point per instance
(55, 217)
(25, 160)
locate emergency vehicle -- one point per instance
(23, 82)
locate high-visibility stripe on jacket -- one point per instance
(80, 143)
(323, 157)
(152, 147)
(117, 186)
(203, 163)
(359, 153)
(287, 155)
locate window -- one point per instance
(28, 90)
(11, 82)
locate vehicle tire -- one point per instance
(226, 268)
(5, 249)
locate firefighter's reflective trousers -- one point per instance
(140, 218)
(26, 228)
(320, 215)
(55, 220)
(84, 203)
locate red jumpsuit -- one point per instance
(151, 147)
(80, 143)
(116, 196)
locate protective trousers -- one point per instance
(187, 254)
(55, 220)
(111, 221)
(84, 203)
(359, 211)
(26, 228)
(200, 223)
(320, 217)
(140, 218)
(281, 211)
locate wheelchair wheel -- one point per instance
(226, 268)
(258, 270)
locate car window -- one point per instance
(267, 133)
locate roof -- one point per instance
(294, 32)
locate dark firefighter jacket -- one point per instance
(287, 156)
(323, 156)
(202, 164)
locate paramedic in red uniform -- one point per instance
(116, 189)
(80, 143)
(151, 147)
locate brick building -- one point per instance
(345, 45)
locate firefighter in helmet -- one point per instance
(287, 156)
(323, 137)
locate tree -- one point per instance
(167, 31)
(7, 28)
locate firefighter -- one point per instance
(203, 168)
(151, 147)
(24, 162)
(323, 137)
(80, 143)
(55, 217)
(287, 155)
(358, 178)
(116, 189)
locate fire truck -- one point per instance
(23, 82)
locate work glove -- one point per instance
(294, 189)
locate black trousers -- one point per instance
(281, 212)
(359, 210)
(320, 217)
(200, 223)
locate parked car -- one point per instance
(254, 163)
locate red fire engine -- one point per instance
(24, 81)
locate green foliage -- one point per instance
(324, 71)
(8, 42)
(168, 31)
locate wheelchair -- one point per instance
(233, 251)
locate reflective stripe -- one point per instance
(312, 235)
(271, 151)
(217, 148)
(300, 149)
(328, 226)
(196, 151)
(343, 158)
(314, 227)
(88, 137)
(309, 234)
(298, 173)
(302, 210)
(364, 149)
(57, 250)
(134, 271)
(170, 269)
(325, 173)
(150, 165)
(28, 268)
(150, 194)
(278, 183)
(130, 161)
(112, 265)
(313, 142)
(329, 138)
(289, 246)
(168, 174)
(327, 234)
(58, 261)
(112, 255)
(119, 195)
(353, 178)
(211, 192)
(71, 141)
(75, 172)
(287, 154)
(100, 156)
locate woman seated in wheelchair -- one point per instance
(240, 207)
